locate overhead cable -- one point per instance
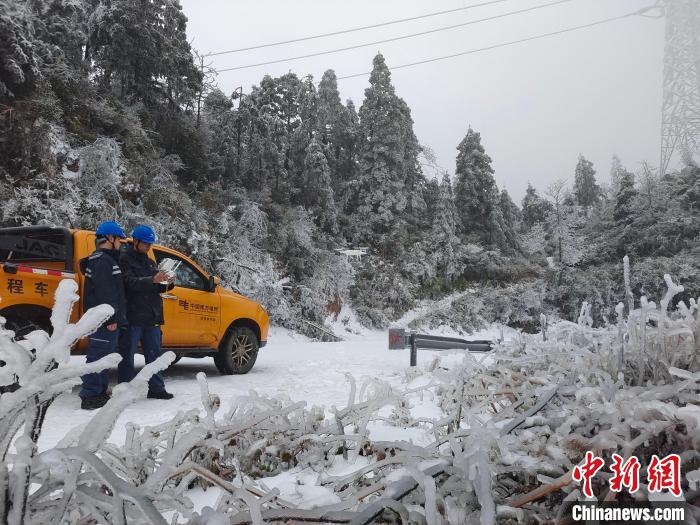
(504, 44)
(362, 28)
(394, 39)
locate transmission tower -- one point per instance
(680, 127)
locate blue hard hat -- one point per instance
(144, 233)
(109, 228)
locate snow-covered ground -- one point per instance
(289, 365)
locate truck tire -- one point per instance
(238, 352)
(22, 327)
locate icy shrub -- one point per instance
(67, 483)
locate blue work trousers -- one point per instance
(150, 338)
(100, 344)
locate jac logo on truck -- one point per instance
(27, 245)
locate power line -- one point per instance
(362, 28)
(394, 39)
(505, 44)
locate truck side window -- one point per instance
(186, 275)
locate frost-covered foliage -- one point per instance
(19, 71)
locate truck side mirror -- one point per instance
(238, 279)
(213, 282)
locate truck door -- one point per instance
(191, 311)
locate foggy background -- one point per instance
(538, 105)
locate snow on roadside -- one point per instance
(347, 325)
(290, 365)
(429, 306)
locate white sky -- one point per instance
(538, 105)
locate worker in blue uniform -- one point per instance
(103, 285)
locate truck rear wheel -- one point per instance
(238, 352)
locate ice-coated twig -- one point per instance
(619, 311)
(135, 495)
(541, 402)
(628, 286)
(210, 402)
(427, 483)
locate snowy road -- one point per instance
(305, 371)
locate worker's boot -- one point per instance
(160, 395)
(95, 402)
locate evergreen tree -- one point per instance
(586, 191)
(476, 195)
(20, 65)
(337, 125)
(432, 196)
(275, 116)
(303, 135)
(444, 243)
(141, 52)
(346, 166)
(317, 191)
(512, 217)
(219, 128)
(616, 172)
(388, 159)
(624, 198)
(535, 208)
(414, 180)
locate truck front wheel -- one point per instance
(22, 327)
(238, 352)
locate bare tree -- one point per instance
(649, 184)
(556, 192)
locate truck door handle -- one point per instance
(168, 296)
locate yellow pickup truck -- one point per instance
(202, 319)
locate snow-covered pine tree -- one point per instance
(414, 180)
(337, 130)
(476, 196)
(512, 218)
(616, 170)
(586, 191)
(303, 135)
(624, 197)
(388, 158)
(535, 209)
(276, 103)
(346, 171)
(20, 65)
(219, 127)
(317, 193)
(140, 50)
(444, 243)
